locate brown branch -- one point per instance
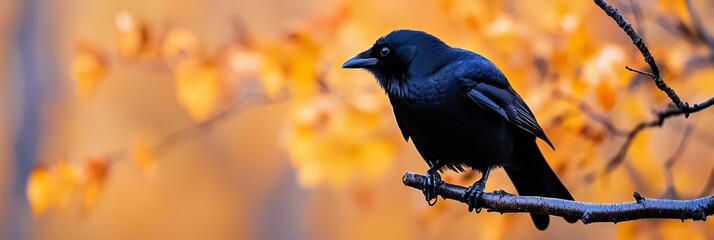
(671, 191)
(194, 130)
(197, 129)
(679, 107)
(603, 120)
(637, 12)
(701, 31)
(502, 202)
(622, 152)
(682, 146)
(642, 47)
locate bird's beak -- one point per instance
(362, 60)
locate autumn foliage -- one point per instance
(227, 111)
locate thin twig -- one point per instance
(679, 107)
(502, 202)
(622, 152)
(606, 122)
(637, 12)
(681, 147)
(205, 126)
(196, 129)
(640, 72)
(640, 44)
(701, 31)
(670, 191)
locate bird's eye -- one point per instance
(384, 51)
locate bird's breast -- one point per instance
(455, 131)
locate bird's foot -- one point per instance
(433, 180)
(473, 195)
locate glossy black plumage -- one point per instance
(460, 111)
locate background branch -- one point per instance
(502, 202)
(679, 107)
(701, 31)
(194, 130)
(671, 191)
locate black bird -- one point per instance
(460, 111)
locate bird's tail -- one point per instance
(532, 176)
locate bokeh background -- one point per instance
(188, 119)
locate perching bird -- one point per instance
(459, 110)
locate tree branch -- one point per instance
(661, 115)
(671, 191)
(681, 107)
(701, 31)
(502, 202)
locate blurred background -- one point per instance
(190, 119)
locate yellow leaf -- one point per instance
(95, 174)
(605, 95)
(329, 142)
(273, 79)
(87, 70)
(143, 156)
(180, 44)
(51, 187)
(131, 35)
(244, 62)
(197, 87)
(297, 58)
(38, 190)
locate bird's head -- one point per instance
(401, 55)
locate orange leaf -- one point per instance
(605, 95)
(273, 79)
(143, 156)
(51, 187)
(95, 170)
(132, 35)
(180, 44)
(87, 70)
(38, 190)
(197, 87)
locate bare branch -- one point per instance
(193, 130)
(701, 31)
(196, 129)
(671, 191)
(500, 201)
(640, 72)
(606, 122)
(637, 12)
(682, 146)
(622, 152)
(681, 106)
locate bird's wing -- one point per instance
(400, 121)
(488, 88)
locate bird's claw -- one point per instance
(473, 195)
(433, 179)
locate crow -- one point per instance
(460, 111)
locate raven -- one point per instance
(460, 111)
